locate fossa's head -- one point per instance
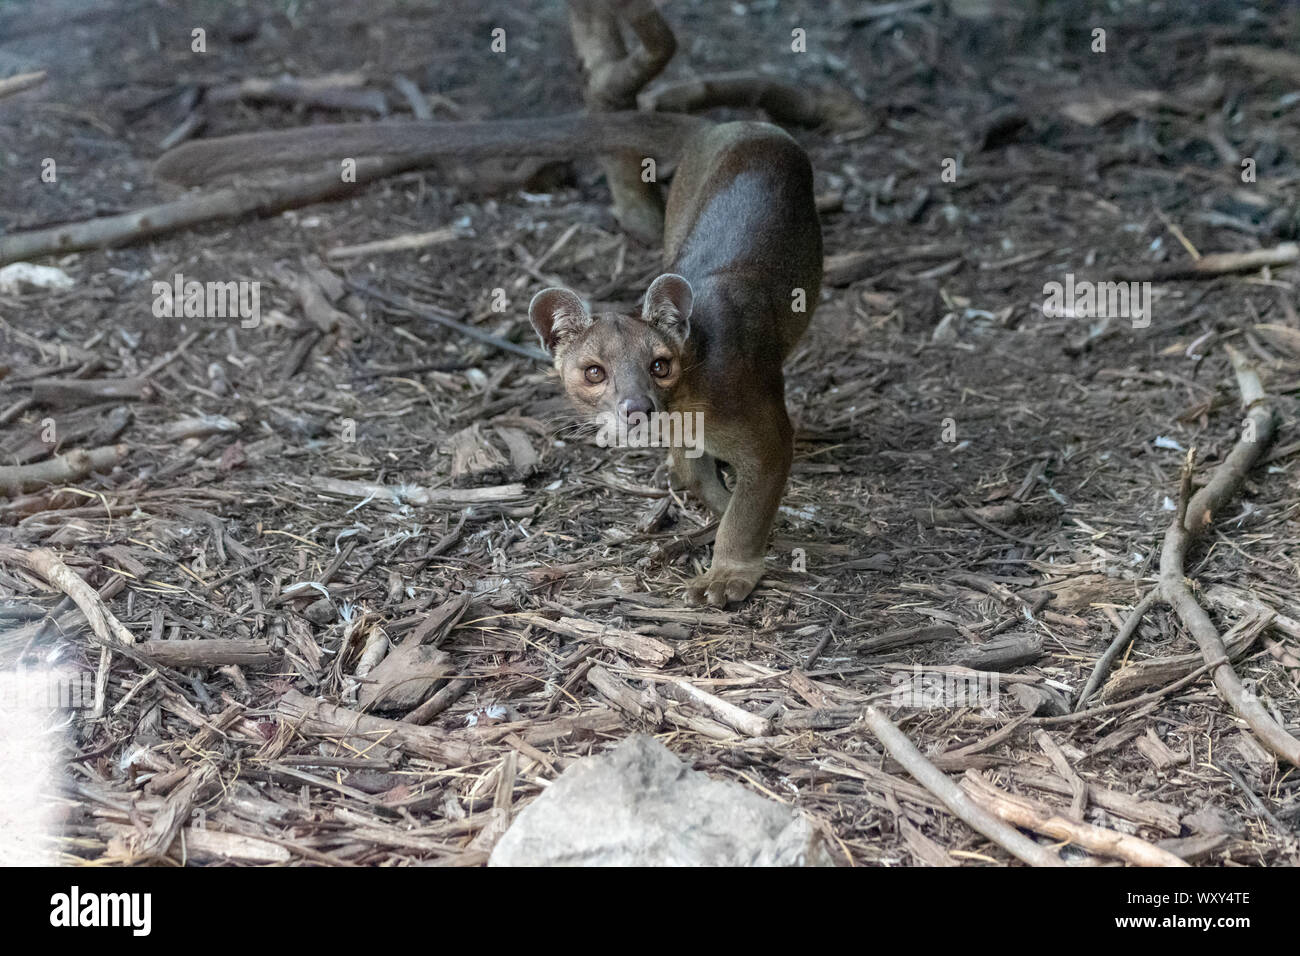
(617, 364)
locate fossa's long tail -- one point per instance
(568, 136)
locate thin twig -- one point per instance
(1107, 659)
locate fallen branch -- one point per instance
(728, 713)
(59, 470)
(1192, 519)
(22, 81)
(1195, 514)
(1264, 59)
(648, 650)
(1214, 264)
(846, 268)
(231, 203)
(1034, 816)
(416, 495)
(110, 631)
(954, 797)
(337, 92)
(403, 243)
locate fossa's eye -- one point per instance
(661, 368)
(594, 374)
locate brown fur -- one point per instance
(742, 231)
(552, 137)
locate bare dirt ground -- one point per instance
(930, 385)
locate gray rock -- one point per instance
(638, 805)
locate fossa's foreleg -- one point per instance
(759, 449)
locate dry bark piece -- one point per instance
(1155, 750)
(208, 652)
(59, 470)
(905, 637)
(1039, 701)
(315, 299)
(1002, 654)
(1100, 106)
(70, 392)
(432, 315)
(1162, 816)
(173, 815)
(1232, 599)
(439, 702)
(474, 458)
(1009, 513)
(414, 97)
(1193, 848)
(621, 694)
(523, 457)
(404, 678)
(200, 426)
(848, 267)
(1281, 337)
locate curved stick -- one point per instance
(1194, 516)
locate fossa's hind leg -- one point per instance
(700, 476)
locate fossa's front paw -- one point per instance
(722, 584)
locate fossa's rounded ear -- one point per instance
(558, 315)
(668, 305)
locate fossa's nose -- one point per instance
(628, 406)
